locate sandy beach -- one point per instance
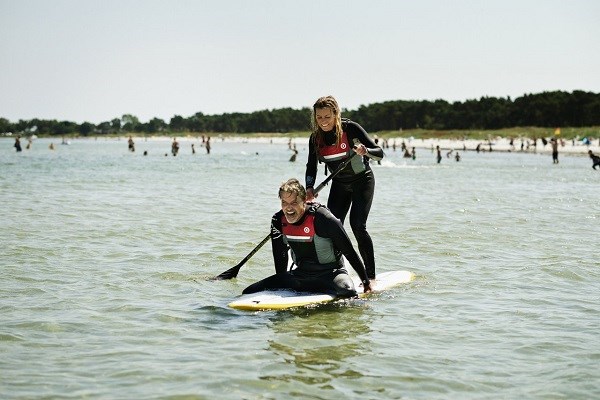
(499, 144)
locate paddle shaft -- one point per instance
(232, 272)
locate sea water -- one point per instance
(106, 255)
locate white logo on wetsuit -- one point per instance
(306, 229)
(343, 146)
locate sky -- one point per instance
(96, 60)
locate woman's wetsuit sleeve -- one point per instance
(327, 225)
(355, 131)
(280, 248)
(311, 165)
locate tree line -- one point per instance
(546, 109)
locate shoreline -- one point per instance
(500, 144)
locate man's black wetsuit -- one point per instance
(354, 185)
(317, 242)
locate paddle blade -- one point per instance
(229, 274)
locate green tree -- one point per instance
(129, 122)
(156, 125)
(116, 125)
(177, 124)
(86, 128)
(6, 126)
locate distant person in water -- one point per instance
(208, 147)
(595, 159)
(131, 144)
(439, 154)
(193, 149)
(332, 141)
(293, 157)
(17, 144)
(554, 144)
(174, 147)
(317, 241)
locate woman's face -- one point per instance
(325, 118)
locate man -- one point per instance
(317, 241)
(595, 159)
(554, 144)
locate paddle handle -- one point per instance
(334, 173)
(261, 244)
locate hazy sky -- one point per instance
(95, 60)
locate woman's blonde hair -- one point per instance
(317, 132)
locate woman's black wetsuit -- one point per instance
(353, 186)
(317, 252)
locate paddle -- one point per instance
(232, 272)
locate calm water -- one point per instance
(105, 257)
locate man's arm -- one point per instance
(280, 249)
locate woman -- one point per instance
(332, 141)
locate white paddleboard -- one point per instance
(282, 299)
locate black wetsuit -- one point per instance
(595, 159)
(320, 267)
(353, 186)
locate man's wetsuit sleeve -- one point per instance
(280, 248)
(311, 165)
(327, 225)
(355, 131)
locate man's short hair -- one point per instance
(293, 186)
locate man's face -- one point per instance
(292, 206)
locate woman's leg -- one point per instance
(362, 199)
(340, 197)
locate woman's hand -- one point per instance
(360, 149)
(310, 194)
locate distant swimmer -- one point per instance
(51, 146)
(439, 154)
(193, 149)
(17, 144)
(554, 144)
(174, 147)
(595, 159)
(131, 144)
(457, 157)
(293, 157)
